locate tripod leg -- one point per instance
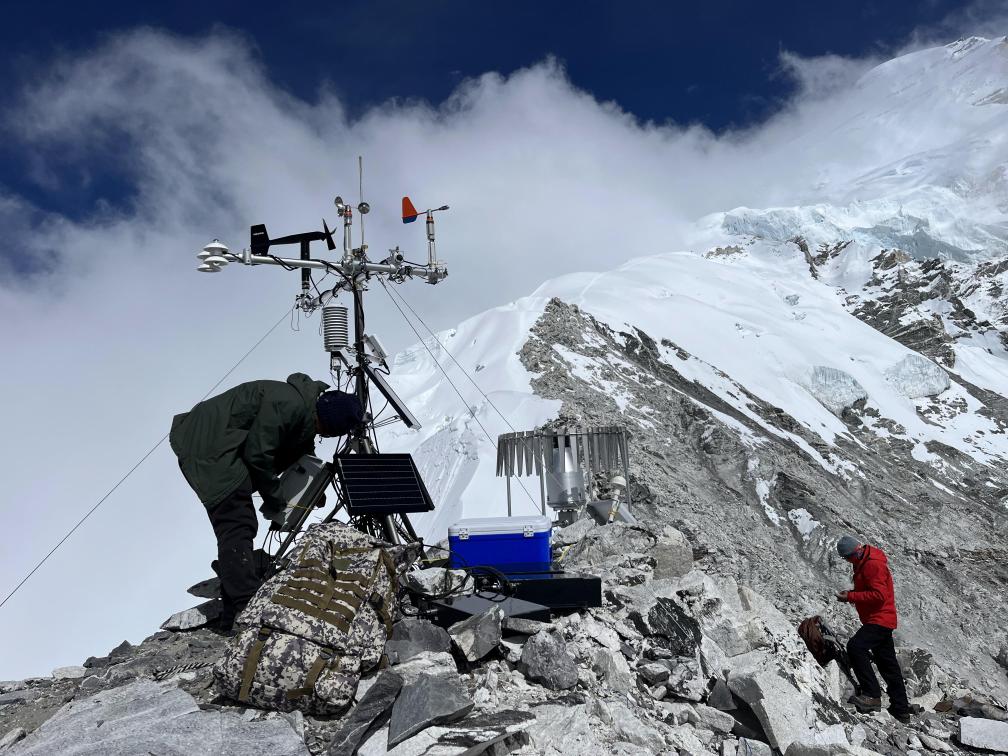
(389, 529)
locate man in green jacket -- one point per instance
(240, 441)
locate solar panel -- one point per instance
(382, 484)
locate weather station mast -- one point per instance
(377, 490)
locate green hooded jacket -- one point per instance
(256, 429)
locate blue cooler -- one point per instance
(500, 541)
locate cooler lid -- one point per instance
(501, 525)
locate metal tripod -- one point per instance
(393, 528)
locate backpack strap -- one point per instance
(385, 610)
(252, 662)
(325, 659)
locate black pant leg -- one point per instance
(859, 649)
(888, 666)
(235, 524)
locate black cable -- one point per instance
(132, 469)
(280, 262)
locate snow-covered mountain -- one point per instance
(794, 374)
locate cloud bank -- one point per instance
(108, 330)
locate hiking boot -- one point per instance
(900, 716)
(866, 704)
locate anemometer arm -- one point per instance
(350, 268)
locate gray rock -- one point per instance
(190, 619)
(372, 707)
(829, 749)
(720, 697)
(613, 669)
(24, 695)
(206, 589)
(147, 717)
(918, 670)
(429, 700)
(685, 679)
(1002, 655)
(69, 673)
(573, 533)
(524, 626)
(122, 652)
(984, 733)
(653, 673)
(714, 719)
(427, 663)
(564, 729)
(545, 660)
(605, 541)
(415, 636)
(784, 712)
(933, 743)
(673, 554)
(627, 726)
(12, 737)
(499, 733)
(664, 617)
(748, 747)
(478, 635)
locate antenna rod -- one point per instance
(360, 176)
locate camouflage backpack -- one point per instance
(311, 630)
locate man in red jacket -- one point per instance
(875, 600)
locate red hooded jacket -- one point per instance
(873, 595)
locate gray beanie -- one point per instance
(846, 546)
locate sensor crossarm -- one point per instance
(348, 267)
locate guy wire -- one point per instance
(132, 469)
(468, 377)
(452, 383)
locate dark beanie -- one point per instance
(338, 413)
(846, 546)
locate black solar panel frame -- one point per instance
(382, 484)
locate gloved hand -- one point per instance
(273, 514)
(841, 596)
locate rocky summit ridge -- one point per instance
(676, 661)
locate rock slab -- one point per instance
(148, 717)
(478, 635)
(12, 737)
(411, 637)
(429, 700)
(197, 616)
(984, 733)
(782, 709)
(372, 707)
(69, 673)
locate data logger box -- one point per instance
(302, 485)
(500, 541)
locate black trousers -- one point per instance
(235, 524)
(875, 643)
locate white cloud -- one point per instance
(117, 331)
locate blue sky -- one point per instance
(716, 63)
